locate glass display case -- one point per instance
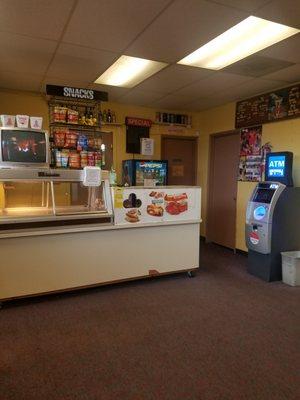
(52, 201)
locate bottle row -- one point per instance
(107, 116)
(173, 118)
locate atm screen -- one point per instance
(263, 195)
(276, 166)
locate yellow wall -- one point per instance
(18, 102)
(284, 136)
(156, 131)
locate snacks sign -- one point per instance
(76, 93)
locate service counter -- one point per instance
(57, 235)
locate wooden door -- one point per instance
(224, 159)
(181, 153)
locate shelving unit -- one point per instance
(65, 108)
(172, 124)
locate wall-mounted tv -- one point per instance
(23, 148)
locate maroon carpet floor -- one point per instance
(221, 335)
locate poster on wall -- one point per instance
(250, 144)
(250, 165)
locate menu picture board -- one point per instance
(274, 106)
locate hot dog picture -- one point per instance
(176, 204)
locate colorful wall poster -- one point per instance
(251, 141)
(250, 165)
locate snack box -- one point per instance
(8, 121)
(36, 122)
(22, 121)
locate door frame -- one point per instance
(209, 197)
(181, 137)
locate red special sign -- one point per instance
(138, 121)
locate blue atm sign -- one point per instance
(276, 166)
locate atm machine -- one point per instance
(273, 218)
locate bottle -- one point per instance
(100, 118)
(103, 154)
(109, 116)
(104, 116)
(114, 118)
(112, 177)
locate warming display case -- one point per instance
(36, 198)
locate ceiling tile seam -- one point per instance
(29, 36)
(237, 8)
(123, 52)
(89, 47)
(263, 5)
(200, 80)
(259, 93)
(59, 41)
(140, 83)
(148, 25)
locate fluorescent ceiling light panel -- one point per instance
(247, 37)
(129, 71)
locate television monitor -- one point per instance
(23, 148)
(279, 167)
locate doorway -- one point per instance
(181, 154)
(222, 188)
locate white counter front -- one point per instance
(62, 258)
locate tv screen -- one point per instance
(23, 146)
(276, 166)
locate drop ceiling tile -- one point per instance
(215, 83)
(11, 80)
(285, 12)
(287, 50)
(80, 83)
(110, 25)
(43, 19)
(245, 5)
(76, 62)
(206, 103)
(257, 65)
(249, 89)
(140, 97)
(114, 92)
(174, 77)
(290, 74)
(171, 102)
(182, 28)
(24, 54)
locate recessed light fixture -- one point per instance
(129, 71)
(247, 37)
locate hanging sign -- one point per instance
(138, 122)
(91, 176)
(76, 93)
(277, 105)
